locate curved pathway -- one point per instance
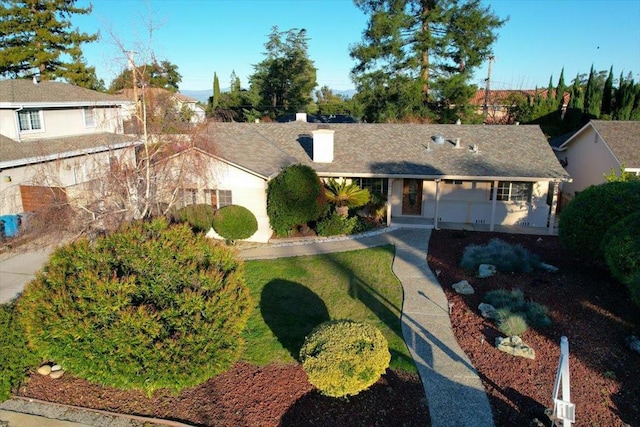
(453, 388)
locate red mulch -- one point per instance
(585, 305)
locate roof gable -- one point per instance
(623, 138)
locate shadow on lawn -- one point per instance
(291, 311)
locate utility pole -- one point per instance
(487, 88)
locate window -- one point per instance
(189, 196)
(224, 198)
(218, 198)
(513, 191)
(374, 185)
(89, 118)
(30, 120)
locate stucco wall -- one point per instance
(589, 159)
(63, 122)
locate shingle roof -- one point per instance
(17, 153)
(20, 91)
(623, 137)
(391, 149)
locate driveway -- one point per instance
(18, 268)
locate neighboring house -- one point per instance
(498, 102)
(54, 139)
(317, 118)
(473, 174)
(595, 149)
(158, 98)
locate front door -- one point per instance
(412, 197)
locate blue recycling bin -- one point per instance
(10, 224)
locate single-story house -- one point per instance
(55, 138)
(429, 174)
(597, 148)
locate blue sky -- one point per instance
(206, 36)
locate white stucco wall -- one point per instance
(589, 159)
(470, 203)
(63, 122)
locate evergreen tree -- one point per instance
(625, 98)
(560, 90)
(36, 38)
(577, 97)
(420, 44)
(162, 74)
(215, 101)
(607, 94)
(286, 78)
(592, 100)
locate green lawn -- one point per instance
(293, 295)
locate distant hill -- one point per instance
(203, 95)
(200, 95)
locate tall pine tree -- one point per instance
(591, 99)
(607, 94)
(560, 90)
(430, 47)
(215, 100)
(36, 37)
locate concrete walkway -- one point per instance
(454, 392)
(19, 268)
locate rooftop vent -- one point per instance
(456, 143)
(438, 139)
(323, 145)
(458, 122)
(301, 117)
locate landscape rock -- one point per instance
(56, 374)
(486, 270)
(488, 311)
(56, 368)
(44, 370)
(515, 346)
(633, 342)
(548, 267)
(463, 287)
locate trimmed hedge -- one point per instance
(235, 222)
(148, 307)
(586, 219)
(336, 224)
(621, 249)
(344, 357)
(199, 216)
(295, 197)
(15, 356)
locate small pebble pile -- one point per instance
(53, 370)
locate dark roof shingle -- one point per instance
(18, 91)
(623, 137)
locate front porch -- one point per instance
(422, 222)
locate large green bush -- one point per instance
(295, 197)
(15, 356)
(621, 249)
(504, 256)
(589, 215)
(336, 224)
(150, 306)
(344, 357)
(235, 222)
(199, 216)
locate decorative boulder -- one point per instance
(548, 267)
(515, 346)
(463, 287)
(486, 270)
(634, 343)
(44, 369)
(488, 311)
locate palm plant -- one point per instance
(345, 196)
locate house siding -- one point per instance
(588, 160)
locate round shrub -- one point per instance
(295, 197)
(150, 306)
(343, 357)
(621, 249)
(15, 355)
(336, 224)
(235, 222)
(586, 219)
(199, 217)
(511, 324)
(506, 257)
